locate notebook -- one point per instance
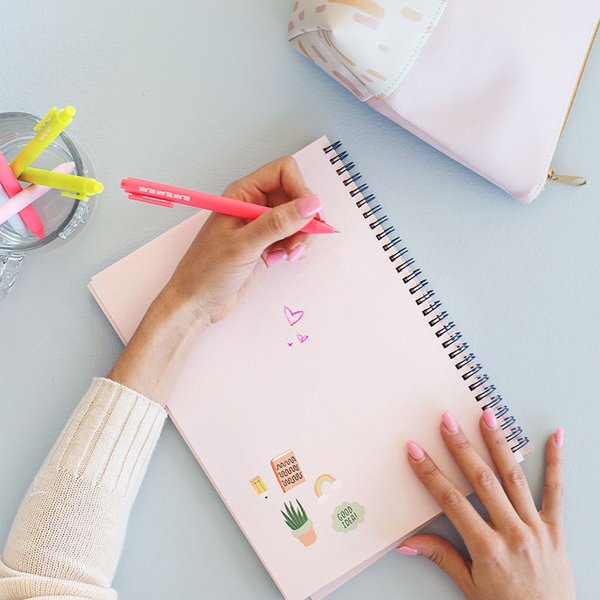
(299, 405)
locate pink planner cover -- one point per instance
(299, 405)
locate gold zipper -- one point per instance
(572, 179)
(575, 180)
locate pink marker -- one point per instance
(166, 195)
(12, 186)
(25, 197)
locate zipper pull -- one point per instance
(574, 180)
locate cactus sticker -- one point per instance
(301, 526)
(348, 516)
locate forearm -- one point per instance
(153, 359)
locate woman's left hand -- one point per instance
(520, 552)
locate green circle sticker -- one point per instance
(348, 516)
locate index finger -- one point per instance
(281, 174)
(450, 499)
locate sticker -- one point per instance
(301, 526)
(348, 516)
(287, 470)
(336, 484)
(259, 486)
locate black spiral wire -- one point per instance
(445, 330)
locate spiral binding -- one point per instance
(451, 340)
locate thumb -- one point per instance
(443, 554)
(281, 222)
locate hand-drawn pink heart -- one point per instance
(292, 317)
(301, 338)
(290, 344)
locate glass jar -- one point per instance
(62, 217)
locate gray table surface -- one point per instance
(202, 93)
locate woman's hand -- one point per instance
(520, 553)
(230, 255)
(217, 273)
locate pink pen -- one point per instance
(12, 186)
(25, 197)
(166, 195)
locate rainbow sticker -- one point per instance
(336, 484)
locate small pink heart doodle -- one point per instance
(292, 317)
(290, 344)
(301, 338)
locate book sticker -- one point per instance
(287, 470)
(321, 481)
(297, 520)
(259, 486)
(348, 516)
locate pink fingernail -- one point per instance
(308, 206)
(275, 257)
(490, 418)
(559, 437)
(296, 253)
(407, 550)
(450, 422)
(415, 451)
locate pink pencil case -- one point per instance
(490, 84)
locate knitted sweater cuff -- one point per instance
(110, 437)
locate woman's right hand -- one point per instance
(230, 255)
(520, 553)
(222, 266)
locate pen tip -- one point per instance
(336, 231)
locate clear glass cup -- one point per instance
(62, 217)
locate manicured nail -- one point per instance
(559, 437)
(296, 253)
(308, 206)
(490, 418)
(415, 450)
(450, 422)
(407, 550)
(275, 257)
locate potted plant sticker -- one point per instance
(301, 526)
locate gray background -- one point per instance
(201, 93)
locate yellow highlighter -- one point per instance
(49, 128)
(74, 186)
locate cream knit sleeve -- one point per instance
(68, 534)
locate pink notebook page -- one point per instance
(309, 392)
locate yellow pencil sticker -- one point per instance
(259, 486)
